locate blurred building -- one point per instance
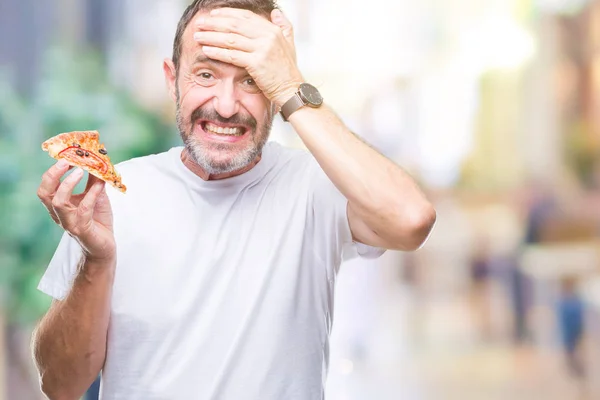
(32, 23)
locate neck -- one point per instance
(189, 162)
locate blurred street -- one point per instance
(437, 346)
(411, 328)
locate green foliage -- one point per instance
(73, 94)
(583, 152)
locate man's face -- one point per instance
(222, 116)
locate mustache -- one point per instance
(201, 113)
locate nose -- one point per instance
(226, 102)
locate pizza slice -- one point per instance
(82, 149)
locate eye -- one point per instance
(205, 75)
(204, 78)
(250, 86)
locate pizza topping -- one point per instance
(103, 151)
(76, 144)
(94, 161)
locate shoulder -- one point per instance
(286, 159)
(159, 160)
(149, 171)
(291, 170)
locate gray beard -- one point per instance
(201, 152)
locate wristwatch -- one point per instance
(307, 95)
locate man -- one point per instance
(213, 277)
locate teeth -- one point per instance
(223, 131)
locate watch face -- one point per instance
(311, 95)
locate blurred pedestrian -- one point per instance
(570, 310)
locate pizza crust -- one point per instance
(82, 149)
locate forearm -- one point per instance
(383, 196)
(69, 344)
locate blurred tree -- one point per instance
(72, 94)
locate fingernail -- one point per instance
(62, 163)
(198, 36)
(200, 21)
(207, 50)
(278, 14)
(77, 173)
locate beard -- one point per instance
(209, 156)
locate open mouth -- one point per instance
(223, 130)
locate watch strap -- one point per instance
(291, 106)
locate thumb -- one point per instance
(279, 19)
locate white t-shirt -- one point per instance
(223, 289)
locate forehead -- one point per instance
(189, 47)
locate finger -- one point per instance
(50, 182)
(235, 57)
(224, 40)
(232, 12)
(51, 179)
(92, 179)
(279, 19)
(62, 199)
(251, 29)
(87, 205)
(75, 199)
(102, 209)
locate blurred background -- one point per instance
(492, 105)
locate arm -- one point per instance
(69, 344)
(385, 206)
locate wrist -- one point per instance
(290, 90)
(96, 270)
(98, 263)
(306, 95)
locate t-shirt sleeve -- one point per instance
(59, 276)
(331, 230)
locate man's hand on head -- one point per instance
(264, 48)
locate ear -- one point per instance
(170, 77)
